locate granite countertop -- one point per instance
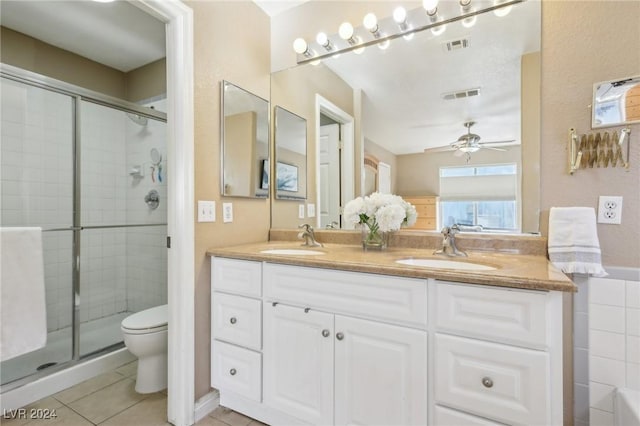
(524, 271)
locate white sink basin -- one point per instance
(445, 264)
(302, 252)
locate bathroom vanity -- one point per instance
(353, 337)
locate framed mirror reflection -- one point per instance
(245, 143)
(467, 97)
(290, 178)
(616, 102)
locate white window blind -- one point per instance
(477, 183)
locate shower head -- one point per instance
(138, 119)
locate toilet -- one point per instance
(145, 336)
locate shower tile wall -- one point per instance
(125, 268)
(122, 270)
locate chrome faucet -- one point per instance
(308, 235)
(449, 242)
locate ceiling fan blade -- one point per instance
(439, 149)
(458, 153)
(493, 148)
(505, 142)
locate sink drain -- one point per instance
(46, 365)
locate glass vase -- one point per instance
(373, 238)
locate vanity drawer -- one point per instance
(394, 299)
(503, 315)
(242, 277)
(448, 417)
(237, 319)
(237, 370)
(504, 383)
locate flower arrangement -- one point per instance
(378, 214)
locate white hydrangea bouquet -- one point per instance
(379, 214)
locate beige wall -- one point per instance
(386, 157)
(418, 174)
(295, 90)
(584, 43)
(231, 42)
(31, 54)
(147, 81)
(530, 142)
(34, 55)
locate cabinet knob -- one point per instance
(339, 336)
(487, 382)
(325, 333)
(233, 320)
(233, 371)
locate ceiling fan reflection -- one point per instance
(470, 143)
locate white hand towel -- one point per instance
(23, 315)
(573, 241)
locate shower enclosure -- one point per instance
(89, 170)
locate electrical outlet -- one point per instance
(227, 212)
(610, 209)
(300, 211)
(206, 211)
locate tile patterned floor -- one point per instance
(110, 400)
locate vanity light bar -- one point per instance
(387, 29)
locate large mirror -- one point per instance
(290, 169)
(616, 102)
(416, 100)
(245, 143)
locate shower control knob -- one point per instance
(233, 320)
(233, 371)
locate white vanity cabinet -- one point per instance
(334, 369)
(328, 347)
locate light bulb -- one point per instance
(345, 31)
(465, 5)
(370, 22)
(469, 22)
(503, 11)
(359, 50)
(384, 45)
(300, 46)
(322, 39)
(400, 15)
(429, 4)
(436, 31)
(409, 37)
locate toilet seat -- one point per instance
(151, 320)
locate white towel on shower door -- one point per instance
(23, 315)
(573, 243)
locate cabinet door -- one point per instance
(298, 362)
(381, 374)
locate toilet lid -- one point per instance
(149, 318)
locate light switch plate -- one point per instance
(311, 210)
(300, 211)
(227, 212)
(206, 211)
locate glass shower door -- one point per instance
(123, 254)
(37, 162)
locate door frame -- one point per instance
(178, 18)
(347, 156)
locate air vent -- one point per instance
(452, 45)
(461, 94)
